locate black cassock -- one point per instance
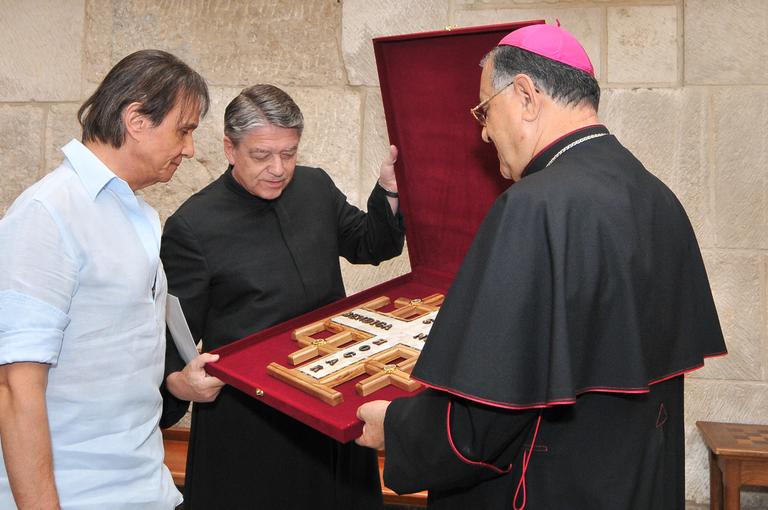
(240, 264)
(562, 346)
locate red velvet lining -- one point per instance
(243, 364)
(447, 176)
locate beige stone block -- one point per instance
(97, 44)
(724, 401)
(209, 136)
(186, 420)
(229, 42)
(375, 149)
(375, 141)
(735, 279)
(726, 42)
(752, 498)
(332, 135)
(585, 23)
(482, 3)
(190, 177)
(362, 20)
(21, 150)
(666, 129)
(41, 56)
(61, 127)
(740, 150)
(206, 165)
(358, 277)
(642, 44)
(764, 308)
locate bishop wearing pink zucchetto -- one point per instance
(555, 367)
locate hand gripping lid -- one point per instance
(552, 42)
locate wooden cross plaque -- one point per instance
(360, 341)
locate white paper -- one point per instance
(400, 332)
(177, 324)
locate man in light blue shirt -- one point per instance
(82, 303)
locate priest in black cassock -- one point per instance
(555, 366)
(256, 247)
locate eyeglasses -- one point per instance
(480, 111)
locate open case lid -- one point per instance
(447, 176)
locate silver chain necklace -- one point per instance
(572, 145)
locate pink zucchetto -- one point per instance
(552, 42)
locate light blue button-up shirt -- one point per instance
(82, 289)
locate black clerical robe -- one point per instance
(240, 264)
(556, 363)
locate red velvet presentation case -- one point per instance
(447, 179)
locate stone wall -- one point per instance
(685, 87)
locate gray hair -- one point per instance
(563, 83)
(260, 106)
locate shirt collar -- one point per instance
(543, 157)
(94, 174)
(258, 202)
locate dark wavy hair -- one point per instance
(563, 83)
(154, 78)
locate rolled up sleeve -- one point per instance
(38, 277)
(30, 329)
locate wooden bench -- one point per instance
(176, 439)
(175, 442)
(738, 456)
